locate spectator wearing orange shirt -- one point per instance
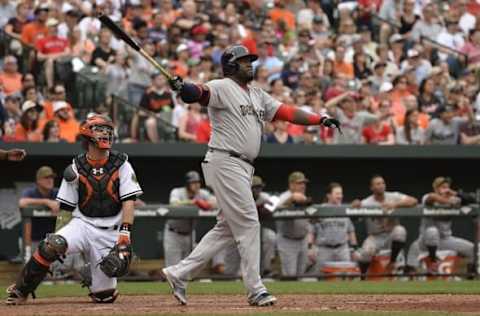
(204, 129)
(27, 129)
(279, 13)
(342, 67)
(400, 90)
(51, 48)
(189, 123)
(51, 132)
(36, 29)
(67, 123)
(57, 93)
(180, 64)
(10, 78)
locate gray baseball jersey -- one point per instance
(292, 228)
(180, 196)
(332, 231)
(377, 225)
(443, 224)
(238, 116)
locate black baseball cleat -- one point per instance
(14, 296)
(177, 286)
(263, 299)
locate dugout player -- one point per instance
(436, 232)
(383, 232)
(177, 240)
(96, 198)
(292, 234)
(238, 113)
(12, 154)
(332, 236)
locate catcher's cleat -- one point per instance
(177, 286)
(263, 299)
(14, 296)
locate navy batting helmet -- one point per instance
(192, 176)
(231, 55)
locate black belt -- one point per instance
(332, 246)
(178, 232)
(296, 238)
(232, 154)
(114, 227)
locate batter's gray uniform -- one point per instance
(292, 242)
(237, 117)
(381, 230)
(177, 237)
(331, 239)
(232, 257)
(437, 232)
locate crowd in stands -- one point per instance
(392, 71)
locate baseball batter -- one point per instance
(436, 233)
(237, 113)
(332, 236)
(100, 188)
(383, 232)
(177, 240)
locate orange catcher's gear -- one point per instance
(98, 129)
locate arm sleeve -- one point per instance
(350, 228)
(129, 185)
(68, 194)
(174, 197)
(214, 88)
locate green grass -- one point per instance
(353, 287)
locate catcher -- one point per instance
(96, 198)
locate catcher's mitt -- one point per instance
(117, 262)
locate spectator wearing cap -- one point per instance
(103, 53)
(117, 75)
(50, 49)
(341, 66)
(15, 24)
(68, 125)
(27, 129)
(155, 106)
(10, 78)
(444, 130)
(57, 93)
(411, 133)
(37, 28)
(180, 63)
(90, 25)
(383, 54)
(198, 42)
(427, 26)
(43, 193)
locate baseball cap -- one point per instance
(52, 22)
(45, 172)
(58, 105)
(396, 38)
(257, 182)
(413, 53)
(199, 29)
(380, 64)
(181, 48)
(297, 176)
(386, 86)
(43, 7)
(192, 176)
(439, 181)
(27, 105)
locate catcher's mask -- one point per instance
(98, 129)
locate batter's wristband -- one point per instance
(126, 227)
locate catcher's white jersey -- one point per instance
(129, 186)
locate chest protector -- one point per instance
(98, 187)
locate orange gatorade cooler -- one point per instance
(338, 270)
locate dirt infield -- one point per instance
(236, 304)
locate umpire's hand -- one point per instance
(332, 123)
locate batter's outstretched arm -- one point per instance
(190, 92)
(298, 116)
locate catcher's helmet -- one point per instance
(192, 176)
(89, 126)
(231, 55)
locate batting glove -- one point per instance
(124, 235)
(176, 83)
(332, 123)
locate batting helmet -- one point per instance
(89, 126)
(192, 176)
(230, 57)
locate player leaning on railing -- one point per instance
(97, 198)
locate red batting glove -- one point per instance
(203, 204)
(124, 235)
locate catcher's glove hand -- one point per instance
(117, 262)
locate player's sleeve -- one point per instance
(129, 186)
(400, 196)
(284, 197)
(215, 87)
(270, 105)
(68, 195)
(175, 197)
(350, 228)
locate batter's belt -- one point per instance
(232, 154)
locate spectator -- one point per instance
(390, 10)
(410, 133)
(360, 66)
(90, 25)
(408, 18)
(273, 64)
(166, 13)
(378, 133)
(198, 42)
(43, 193)
(7, 11)
(428, 102)
(157, 32)
(37, 28)
(189, 123)
(117, 76)
(341, 66)
(103, 53)
(472, 49)
(311, 136)
(51, 49)
(51, 132)
(278, 90)
(261, 78)
(180, 63)
(68, 125)
(10, 78)
(27, 130)
(470, 131)
(28, 81)
(281, 15)
(419, 65)
(15, 25)
(187, 15)
(12, 108)
(204, 128)
(157, 101)
(280, 134)
(444, 129)
(81, 48)
(451, 36)
(427, 26)
(400, 89)
(467, 20)
(140, 75)
(57, 93)
(378, 77)
(71, 18)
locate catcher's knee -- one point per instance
(431, 237)
(399, 233)
(106, 296)
(52, 248)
